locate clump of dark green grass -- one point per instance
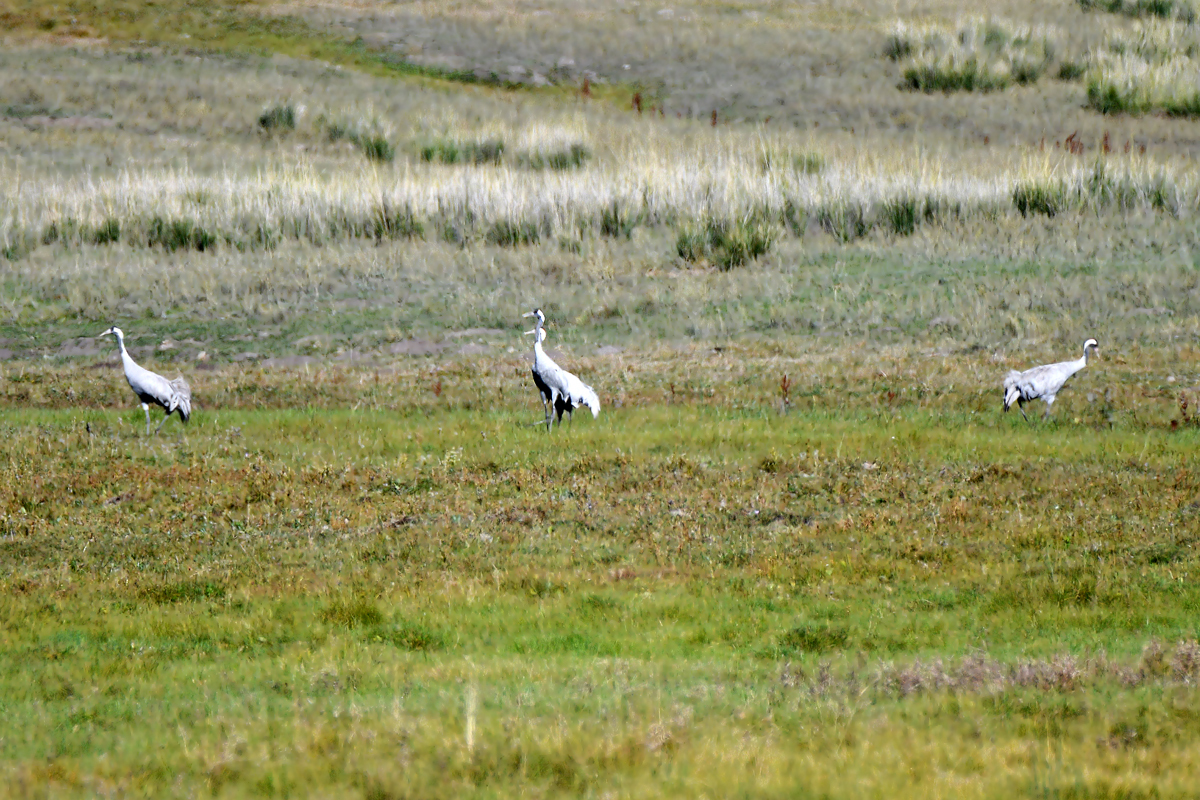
(905, 212)
(354, 611)
(109, 232)
(278, 119)
(453, 151)
(376, 147)
(179, 234)
(981, 56)
(967, 76)
(1070, 71)
(366, 136)
(1048, 198)
(513, 233)
(1109, 96)
(728, 244)
(845, 221)
(1182, 10)
(402, 223)
(617, 221)
(572, 156)
(64, 230)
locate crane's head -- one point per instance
(115, 331)
(1091, 345)
(538, 315)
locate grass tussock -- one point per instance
(976, 56)
(278, 119)
(567, 157)
(446, 150)
(1153, 68)
(368, 135)
(1181, 10)
(726, 244)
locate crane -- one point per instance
(1045, 381)
(150, 387)
(560, 389)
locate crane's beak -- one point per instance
(530, 333)
(529, 314)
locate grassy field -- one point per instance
(795, 249)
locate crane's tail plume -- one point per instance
(181, 399)
(590, 399)
(1012, 391)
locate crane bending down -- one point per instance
(150, 387)
(1045, 381)
(560, 390)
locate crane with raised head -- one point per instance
(561, 390)
(150, 387)
(1044, 382)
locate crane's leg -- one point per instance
(1021, 408)
(146, 408)
(164, 420)
(1049, 403)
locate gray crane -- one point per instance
(1043, 382)
(150, 387)
(560, 390)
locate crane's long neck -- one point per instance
(126, 359)
(538, 338)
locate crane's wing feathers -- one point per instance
(1038, 382)
(556, 383)
(580, 394)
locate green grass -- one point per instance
(663, 581)
(801, 552)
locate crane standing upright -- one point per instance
(560, 389)
(153, 388)
(1043, 382)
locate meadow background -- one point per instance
(795, 248)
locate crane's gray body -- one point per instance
(152, 388)
(1042, 383)
(560, 390)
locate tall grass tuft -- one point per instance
(727, 243)
(1182, 10)
(1036, 197)
(617, 221)
(376, 147)
(109, 232)
(1153, 67)
(368, 136)
(901, 214)
(572, 156)
(845, 221)
(742, 241)
(278, 119)
(452, 151)
(392, 223)
(179, 234)
(513, 233)
(979, 56)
